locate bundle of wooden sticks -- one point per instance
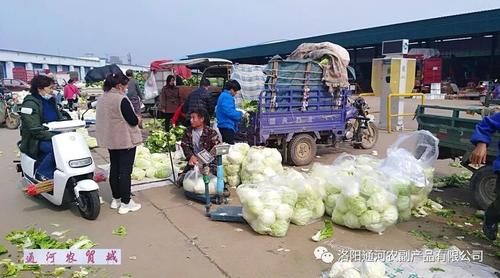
(41, 187)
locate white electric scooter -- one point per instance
(73, 177)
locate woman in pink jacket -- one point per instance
(71, 93)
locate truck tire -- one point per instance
(483, 183)
(301, 150)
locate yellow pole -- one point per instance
(389, 115)
(389, 107)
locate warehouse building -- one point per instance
(467, 43)
(24, 65)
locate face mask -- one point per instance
(47, 97)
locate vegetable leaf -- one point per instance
(120, 231)
(3, 250)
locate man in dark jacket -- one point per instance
(134, 92)
(200, 98)
(199, 137)
(38, 108)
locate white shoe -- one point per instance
(115, 203)
(131, 206)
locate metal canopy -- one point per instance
(477, 23)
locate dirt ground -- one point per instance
(171, 237)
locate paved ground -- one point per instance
(171, 237)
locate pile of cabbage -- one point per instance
(260, 164)
(267, 208)
(356, 196)
(153, 166)
(91, 141)
(365, 192)
(232, 163)
(310, 194)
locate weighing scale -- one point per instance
(222, 213)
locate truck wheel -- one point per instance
(89, 204)
(302, 150)
(13, 122)
(483, 183)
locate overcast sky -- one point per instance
(155, 29)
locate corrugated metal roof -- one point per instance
(469, 24)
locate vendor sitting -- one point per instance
(196, 138)
(38, 108)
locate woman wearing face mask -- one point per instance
(38, 108)
(117, 129)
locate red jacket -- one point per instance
(178, 114)
(70, 91)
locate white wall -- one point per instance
(10, 56)
(25, 57)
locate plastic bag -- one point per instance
(150, 88)
(363, 202)
(232, 163)
(260, 164)
(267, 208)
(310, 192)
(422, 145)
(409, 171)
(193, 182)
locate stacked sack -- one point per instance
(267, 208)
(364, 192)
(260, 164)
(310, 193)
(232, 163)
(147, 165)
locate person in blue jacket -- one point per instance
(482, 138)
(226, 113)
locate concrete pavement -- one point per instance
(171, 237)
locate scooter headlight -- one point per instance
(79, 163)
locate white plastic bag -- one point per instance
(150, 87)
(310, 193)
(193, 182)
(267, 208)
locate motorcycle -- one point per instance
(491, 94)
(360, 125)
(73, 177)
(8, 110)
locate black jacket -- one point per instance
(199, 98)
(32, 117)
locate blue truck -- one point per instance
(296, 112)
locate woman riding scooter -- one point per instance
(38, 108)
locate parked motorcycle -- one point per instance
(8, 110)
(360, 125)
(491, 93)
